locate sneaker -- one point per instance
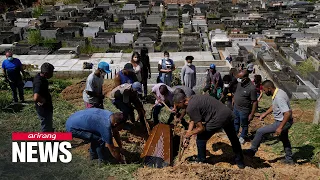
(249, 152)
(287, 161)
(241, 140)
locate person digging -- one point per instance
(164, 98)
(98, 126)
(207, 116)
(126, 98)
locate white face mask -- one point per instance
(226, 85)
(103, 74)
(166, 58)
(189, 64)
(239, 80)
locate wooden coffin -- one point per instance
(158, 150)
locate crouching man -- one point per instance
(126, 98)
(208, 115)
(98, 126)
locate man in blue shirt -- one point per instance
(98, 126)
(11, 70)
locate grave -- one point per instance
(124, 38)
(172, 22)
(50, 33)
(154, 19)
(131, 26)
(21, 49)
(91, 31)
(129, 9)
(61, 36)
(66, 13)
(78, 31)
(142, 42)
(73, 42)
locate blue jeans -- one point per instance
(14, 86)
(203, 137)
(156, 112)
(97, 146)
(45, 115)
(241, 119)
(272, 129)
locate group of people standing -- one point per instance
(227, 103)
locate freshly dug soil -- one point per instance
(74, 92)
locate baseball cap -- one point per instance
(212, 66)
(128, 67)
(104, 66)
(137, 87)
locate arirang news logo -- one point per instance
(41, 147)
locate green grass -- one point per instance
(26, 121)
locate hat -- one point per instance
(104, 66)
(128, 67)
(212, 66)
(137, 87)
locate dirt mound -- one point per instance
(205, 171)
(74, 92)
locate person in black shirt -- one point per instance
(227, 93)
(208, 115)
(146, 72)
(42, 97)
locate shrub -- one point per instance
(34, 37)
(37, 11)
(305, 67)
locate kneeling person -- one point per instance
(98, 126)
(126, 95)
(209, 115)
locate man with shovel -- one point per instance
(164, 98)
(92, 94)
(208, 115)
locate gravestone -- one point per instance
(142, 42)
(50, 33)
(316, 119)
(81, 41)
(100, 43)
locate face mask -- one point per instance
(226, 85)
(189, 64)
(269, 93)
(103, 74)
(10, 58)
(166, 58)
(135, 59)
(239, 80)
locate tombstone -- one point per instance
(68, 50)
(154, 19)
(316, 119)
(129, 9)
(78, 31)
(186, 18)
(124, 38)
(65, 35)
(10, 16)
(142, 42)
(172, 22)
(7, 38)
(39, 50)
(62, 23)
(50, 33)
(21, 49)
(170, 46)
(101, 24)
(91, 31)
(131, 26)
(172, 12)
(170, 36)
(109, 36)
(100, 43)
(77, 41)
